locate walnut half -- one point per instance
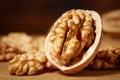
(73, 40)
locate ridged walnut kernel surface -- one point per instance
(32, 62)
(106, 59)
(73, 40)
(69, 36)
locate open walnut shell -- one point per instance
(73, 40)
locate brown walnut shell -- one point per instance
(59, 41)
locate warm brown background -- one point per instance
(36, 16)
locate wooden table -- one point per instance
(57, 75)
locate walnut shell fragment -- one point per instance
(73, 40)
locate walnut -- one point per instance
(7, 52)
(18, 43)
(33, 62)
(17, 39)
(13, 44)
(106, 59)
(111, 22)
(29, 63)
(73, 40)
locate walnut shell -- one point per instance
(79, 48)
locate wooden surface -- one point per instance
(57, 75)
